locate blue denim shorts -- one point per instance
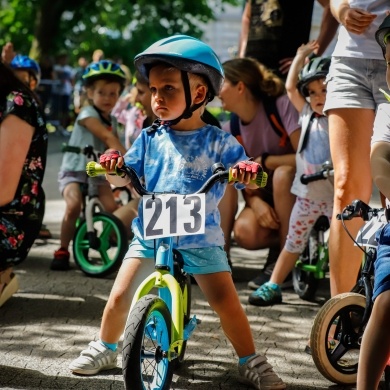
(382, 262)
(197, 261)
(355, 83)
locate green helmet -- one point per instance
(104, 70)
(382, 35)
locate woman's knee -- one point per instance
(283, 178)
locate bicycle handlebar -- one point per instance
(321, 175)
(357, 209)
(220, 175)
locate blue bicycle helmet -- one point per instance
(382, 35)
(104, 70)
(21, 62)
(316, 69)
(189, 55)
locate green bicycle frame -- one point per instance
(168, 290)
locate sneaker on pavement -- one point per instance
(97, 357)
(266, 295)
(264, 278)
(258, 373)
(60, 260)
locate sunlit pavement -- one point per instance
(55, 315)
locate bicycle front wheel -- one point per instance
(336, 337)
(99, 253)
(146, 342)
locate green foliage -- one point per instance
(121, 28)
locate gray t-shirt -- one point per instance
(81, 137)
(310, 158)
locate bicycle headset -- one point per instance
(315, 69)
(382, 35)
(21, 62)
(104, 70)
(189, 55)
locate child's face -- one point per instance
(317, 95)
(167, 92)
(144, 97)
(25, 77)
(104, 95)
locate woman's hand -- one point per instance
(356, 20)
(265, 215)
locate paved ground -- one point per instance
(55, 314)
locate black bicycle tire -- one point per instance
(133, 341)
(319, 336)
(121, 240)
(305, 284)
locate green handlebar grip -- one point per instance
(94, 169)
(260, 181)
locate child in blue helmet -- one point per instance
(307, 92)
(95, 126)
(176, 154)
(375, 348)
(27, 70)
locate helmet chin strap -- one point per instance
(187, 113)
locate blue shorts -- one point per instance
(197, 261)
(355, 83)
(382, 262)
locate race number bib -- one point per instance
(366, 235)
(170, 215)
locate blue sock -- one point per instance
(243, 360)
(113, 346)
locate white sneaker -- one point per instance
(260, 374)
(95, 358)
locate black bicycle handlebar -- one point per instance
(220, 175)
(321, 175)
(357, 209)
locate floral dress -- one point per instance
(21, 219)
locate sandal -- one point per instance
(9, 285)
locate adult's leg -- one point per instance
(350, 133)
(374, 351)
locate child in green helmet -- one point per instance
(104, 81)
(375, 348)
(176, 154)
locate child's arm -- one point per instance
(245, 171)
(100, 131)
(380, 166)
(292, 78)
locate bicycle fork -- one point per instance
(170, 292)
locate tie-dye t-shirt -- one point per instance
(181, 161)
